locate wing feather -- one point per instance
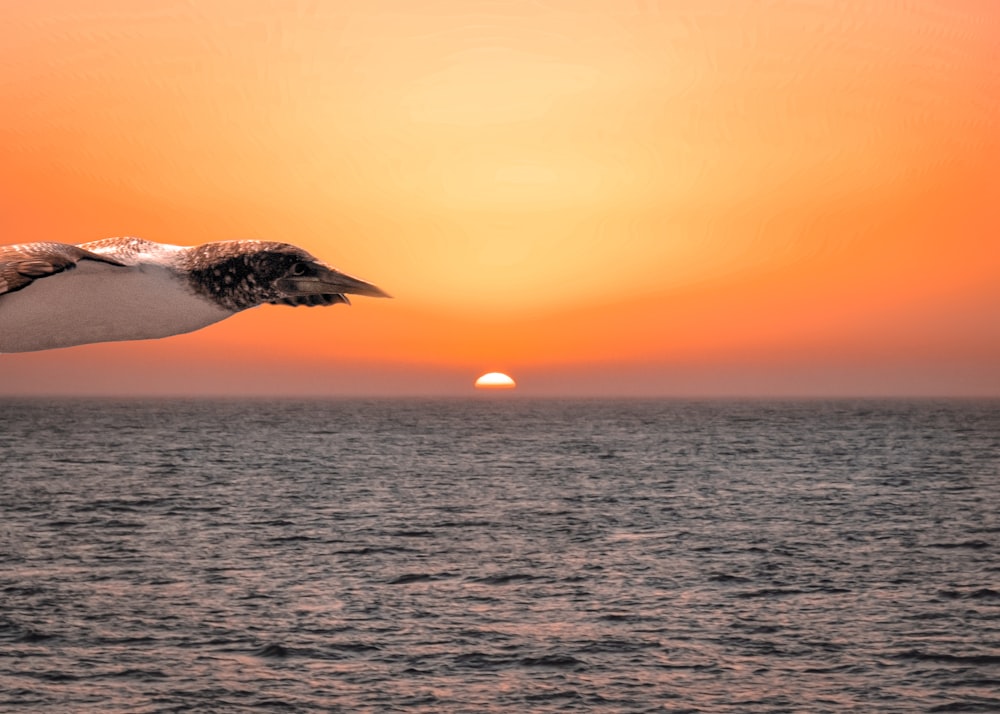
(21, 265)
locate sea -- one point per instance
(499, 554)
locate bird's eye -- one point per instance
(299, 269)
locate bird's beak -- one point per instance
(327, 286)
(332, 281)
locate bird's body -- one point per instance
(56, 295)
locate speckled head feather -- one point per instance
(240, 274)
(243, 274)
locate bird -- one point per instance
(55, 295)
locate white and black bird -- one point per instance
(59, 295)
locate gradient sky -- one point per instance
(622, 197)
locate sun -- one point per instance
(495, 380)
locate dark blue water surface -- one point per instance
(499, 555)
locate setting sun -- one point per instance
(495, 380)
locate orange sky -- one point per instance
(620, 197)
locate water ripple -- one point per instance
(499, 556)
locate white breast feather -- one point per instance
(97, 302)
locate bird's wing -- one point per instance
(130, 250)
(21, 265)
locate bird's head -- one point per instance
(300, 279)
(244, 274)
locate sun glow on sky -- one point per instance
(620, 197)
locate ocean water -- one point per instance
(499, 555)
